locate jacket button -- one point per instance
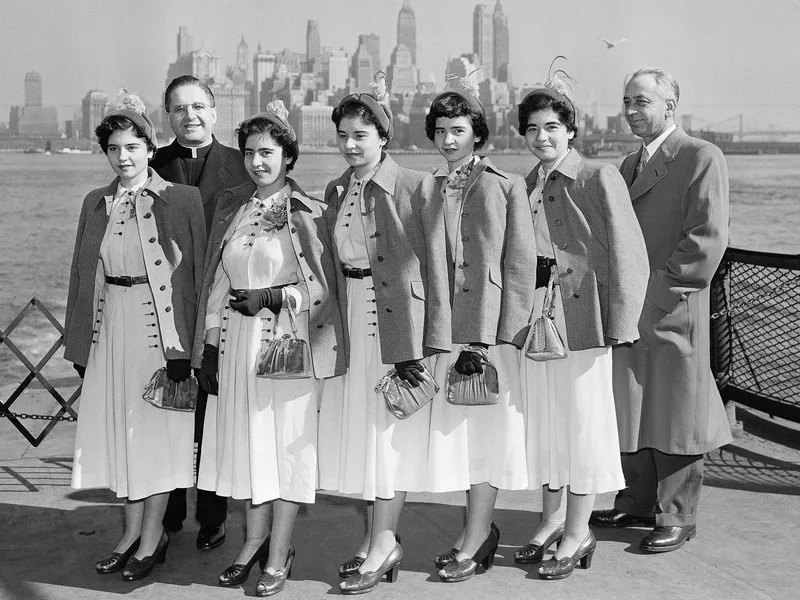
(147, 215)
(162, 288)
(380, 259)
(558, 222)
(169, 308)
(311, 278)
(377, 234)
(319, 326)
(576, 295)
(569, 269)
(465, 214)
(552, 177)
(384, 284)
(564, 245)
(294, 230)
(389, 310)
(144, 193)
(465, 264)
(317, 302)
(465, 238)
(152, 240)
(466, 289)
(551, 198)
(158, 262)
(300, 255)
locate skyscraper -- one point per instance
(402, 75)
(312, 47)
(94, 109)
(500, 39)
(33, 89)
(242, 62)
(482, 38)
(184, 41)
(372, 42)
(363, 68)
(407, 30)
(263, 69)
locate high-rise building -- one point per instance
(184, 41)
(407, 30)
(500, 41)
(338, 70)
(363, 68)
(33, 89)
(464, 65)
(242, 60)
(232, 103)
(290, 60)
(402, 74)
(482, 38)
(199, 63)
(313, 64)
(372, 42)
(94, 109)
(313, 125)
(263, 69)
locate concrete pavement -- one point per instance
(51, 535)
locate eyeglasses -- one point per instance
(183, 109)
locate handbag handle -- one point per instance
(292, 322)
(549, 304)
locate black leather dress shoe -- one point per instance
(616, 518)
(666, 538)
(210, 537)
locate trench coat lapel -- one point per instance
(656, 168)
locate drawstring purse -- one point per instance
(545, 341)
(284, 357)
(162, 392)
(402, 399)
(478, 389)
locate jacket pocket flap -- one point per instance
(418, 290)
(496, 277)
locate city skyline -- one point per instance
(44, 38)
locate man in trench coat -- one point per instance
(669, 411)
(197, 158)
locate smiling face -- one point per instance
(191, 116)
(128, 156)
(360, 144)
(266, 163)
(547, 137)
(646, 110)
(455, 140)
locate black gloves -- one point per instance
(250, 302)
(179, 369)
(81, 370)
(409, 371)
(470, 362)
(207, 373)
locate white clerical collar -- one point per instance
(653, 146)
(202, 150)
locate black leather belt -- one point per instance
(126, 281)
(543, 265)
(356, 273)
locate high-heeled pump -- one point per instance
(441, 560)
(116, 560)
(461, 570)
(361, 583)
(351, 566)
(272, 583)
(238, 573)
(139, 569)
(563, 568)
(531, 554)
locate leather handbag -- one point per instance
(163, 392)
(478, 389)
(545, 342)
(284, 357)
(402, 399)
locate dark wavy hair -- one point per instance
(450, 107)
(113, 123)
(535, 103)
(187, 80)
(257, 125)
(353, 109)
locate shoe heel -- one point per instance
(488, 560)
(586, 559)
(391, 574)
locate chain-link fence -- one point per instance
(755, 331)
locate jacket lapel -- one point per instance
(216, 172)
(656, 168)
(172, 170)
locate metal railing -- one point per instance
(755, 331)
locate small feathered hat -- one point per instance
(131, 106)
(276, 113)
(557, 86)
(376, 102)
(465, 88)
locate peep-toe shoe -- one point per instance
(462, 570)
(563, 568)
(531, 554)
(361, 583)
(238, 573)
(272, 583)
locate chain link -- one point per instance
(34, 417)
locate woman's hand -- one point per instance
(80, 369)
(409, 371)
(250, 302)
(470, 362)
(207, 374)
(179, 369)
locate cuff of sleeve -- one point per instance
(212, 321)
(661, 293)
(296, 298)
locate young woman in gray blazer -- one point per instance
(131, 310)
(588, 237)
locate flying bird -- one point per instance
(609, 44)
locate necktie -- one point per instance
(642, 162)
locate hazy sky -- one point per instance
(730, 56)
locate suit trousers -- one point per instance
(210, 509)
(666, 486)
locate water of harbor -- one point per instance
(40, 199)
